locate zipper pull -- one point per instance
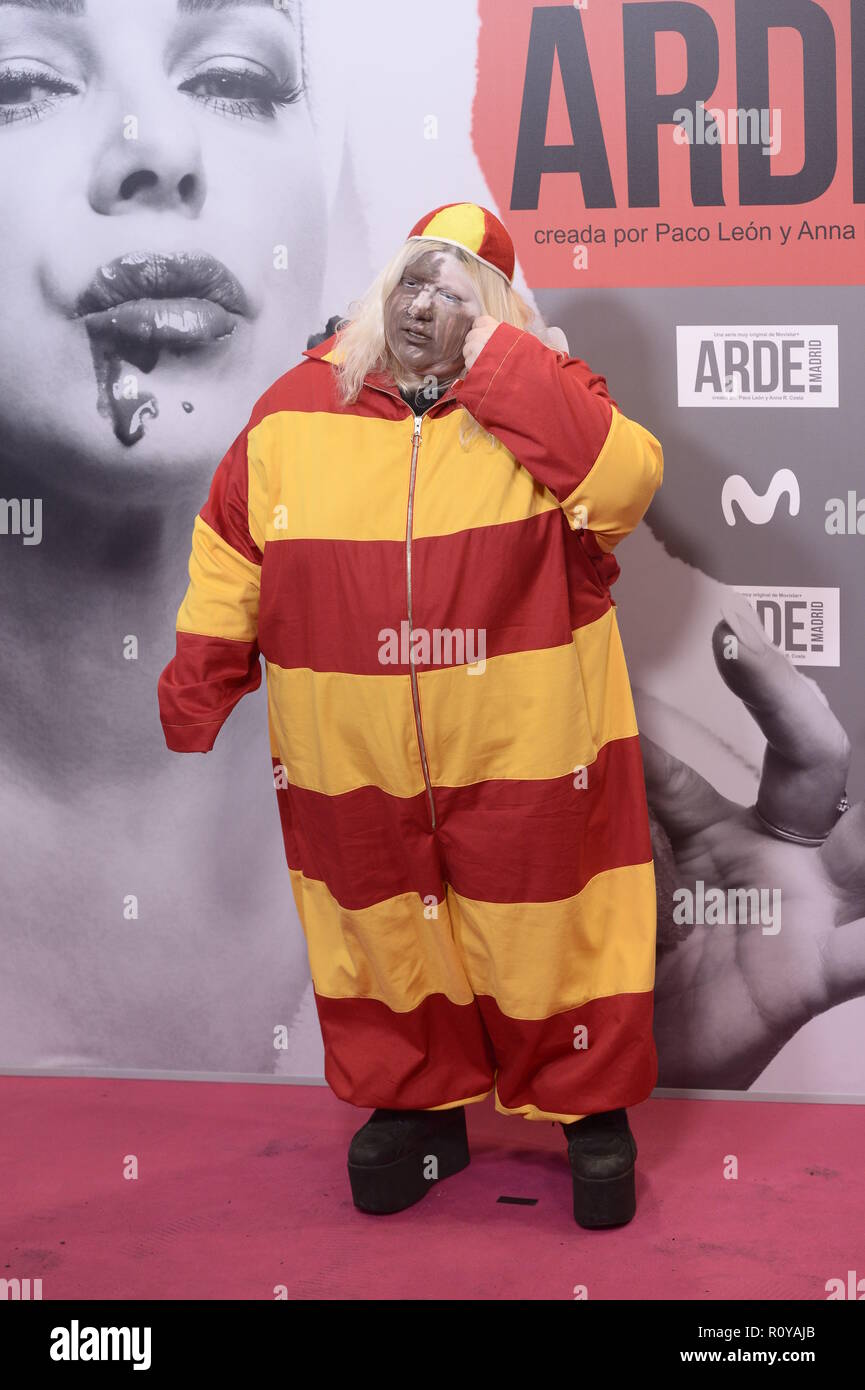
(418, 421)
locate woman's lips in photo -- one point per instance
(163, 300)
(164, 321)
(415, 334)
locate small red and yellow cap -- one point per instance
(475, 229)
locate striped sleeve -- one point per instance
(216, 660)
(558, 420)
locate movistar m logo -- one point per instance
(756, 507)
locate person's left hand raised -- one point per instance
(478, 336)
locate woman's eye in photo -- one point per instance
(242, 91)
(27, 92)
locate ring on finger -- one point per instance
(794, 837)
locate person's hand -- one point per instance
(478, 336)
(555, 338)
(727, 998)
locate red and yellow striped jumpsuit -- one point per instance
(468, 847)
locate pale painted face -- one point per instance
(428, 314)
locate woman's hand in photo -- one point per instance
(331, 327)
(728, 996)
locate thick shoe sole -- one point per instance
(392, 1187)
(602, 1202)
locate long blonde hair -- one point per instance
(361, 345)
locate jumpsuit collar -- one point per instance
(381, 380)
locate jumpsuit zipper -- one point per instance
(418, 421)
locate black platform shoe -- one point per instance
(602, 1151)
(390, 1163)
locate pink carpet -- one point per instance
(242, 1188)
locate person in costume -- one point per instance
(415, 529)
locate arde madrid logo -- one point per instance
(803, 623)
(790, 366)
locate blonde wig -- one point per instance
(361, 345)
